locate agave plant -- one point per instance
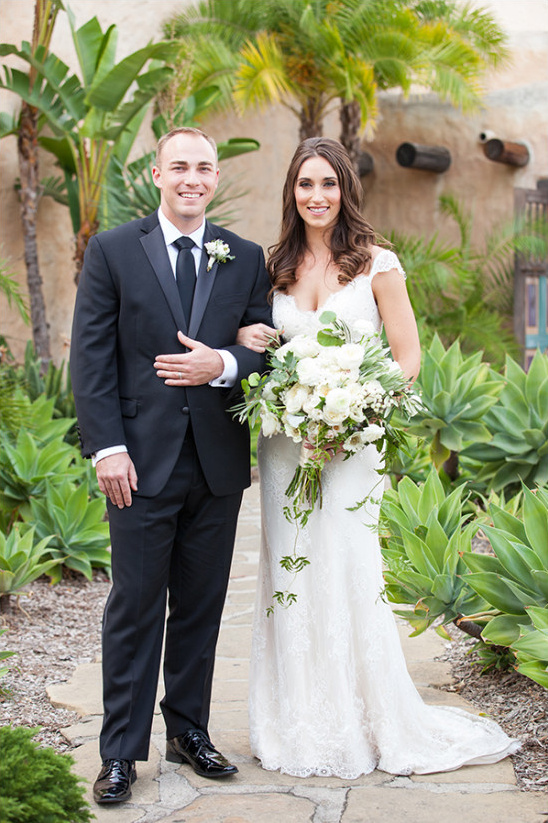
(23, 560)
(26, 466)
(423, 536)
(516, 576)
(80, 533)
(457, 391)
(518, 446)
(532, 647)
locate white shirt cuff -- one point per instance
(106, 453)
(230, 373)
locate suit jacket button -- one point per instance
(185, 410)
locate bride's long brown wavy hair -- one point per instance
(352, 236)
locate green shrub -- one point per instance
(27, 464)
(55, 384)
(80, 535)
(457, 391)
(515, 582)
(37, 785)
(423, 536)
(22, 560)
(517, 449)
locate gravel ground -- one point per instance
(56, 628)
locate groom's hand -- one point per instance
(117, 478)
(198, 365)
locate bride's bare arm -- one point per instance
(399, 321)
(257, 336)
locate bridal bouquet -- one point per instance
(333, 393)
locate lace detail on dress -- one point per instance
(330, 694)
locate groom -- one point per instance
(169, 456)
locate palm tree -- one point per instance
(93, 119)
(275, 51)
(305, 54)
(25, 127)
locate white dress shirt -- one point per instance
(230, 371)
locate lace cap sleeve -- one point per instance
(384, 261)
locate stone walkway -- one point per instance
(167, 793)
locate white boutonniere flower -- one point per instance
(218, 252)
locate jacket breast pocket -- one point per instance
(129, 407)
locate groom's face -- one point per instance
(187, 176)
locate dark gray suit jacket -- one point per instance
(127, 312)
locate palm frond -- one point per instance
(262, 77)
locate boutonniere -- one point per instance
(218, 252)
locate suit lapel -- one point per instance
(155, 248)
(204, 284)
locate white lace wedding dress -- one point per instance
(329, 689)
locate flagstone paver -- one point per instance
(167, 793)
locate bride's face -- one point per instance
(317, 193)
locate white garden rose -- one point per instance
(372, 432)
(295, 397)
(304, 346)
(310, 371)
(270, 424)
(338, 401)
(349, 356)
(332, 418)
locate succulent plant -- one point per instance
(423, 536)
(457, 391)
(518, 447)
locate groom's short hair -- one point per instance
(184, 130)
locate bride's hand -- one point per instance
(257, 337)
(320, 456)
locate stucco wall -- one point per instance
(515, 108)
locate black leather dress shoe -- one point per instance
(195, 747)
(113, 784)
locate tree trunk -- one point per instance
(311, 124)
(351, 121)
(87, 230)
(27, 146)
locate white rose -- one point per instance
(304, 346)
(295, 397)
(372, 432)
(270, 424)
(338, 401)
(310, 371)
(349, 356)
(333, 418)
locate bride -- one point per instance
(330, 694)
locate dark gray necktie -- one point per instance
(185, 272)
